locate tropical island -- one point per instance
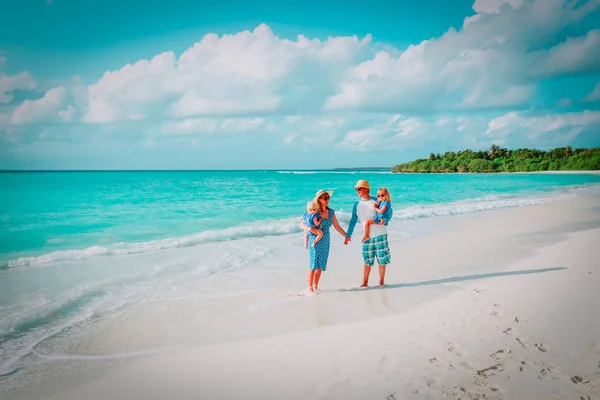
(498, 159)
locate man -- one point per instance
(377, 244)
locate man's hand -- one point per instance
(347, 240)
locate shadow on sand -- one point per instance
(455, 279)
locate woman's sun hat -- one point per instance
(362, 184)
(321, 193)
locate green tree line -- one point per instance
(498, 159)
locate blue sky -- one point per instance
(201, 85)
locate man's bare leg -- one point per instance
(316, 280)
(366, 273)
(381, 275)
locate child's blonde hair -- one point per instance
(386, 192)
(312, 205)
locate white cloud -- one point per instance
(534, 126)
(8, 83)
(394, 132)
(31, 111)
(595, 94)
(289, 139)
(492, 62)
(307, 90)
(493, 6)
(572, 56)
(119, 95)
(244, 73)
(211, 125)
(495, 61)
(68, 114)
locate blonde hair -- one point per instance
(312, 205)
(386, 192)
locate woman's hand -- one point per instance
(337, 226)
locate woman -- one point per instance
(320, 252)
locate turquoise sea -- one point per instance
(76, 247)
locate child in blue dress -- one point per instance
(312, 219)
(384, 211)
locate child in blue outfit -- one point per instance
(384, 212)
(312, 219)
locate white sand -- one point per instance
(503, 305)
(570, 172)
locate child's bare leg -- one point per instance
(306, 241)
(319, 237)
(367, 229)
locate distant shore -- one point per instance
(570, 172)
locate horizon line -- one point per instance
(197, 170)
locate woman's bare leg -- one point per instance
(311, 279)
(316, 280)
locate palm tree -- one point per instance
(568, 151)
(494, 151)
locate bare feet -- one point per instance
(364, 284)
(381, 284)
(365, 238)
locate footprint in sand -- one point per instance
(546, 370)
(489, 371)
(540, 347)
(452, 348)
(522, 366)
(498, 354)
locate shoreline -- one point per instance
(426, 311)
(496, 346)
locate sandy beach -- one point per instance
(495, 305)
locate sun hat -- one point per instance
(322, 192)
(362, 184)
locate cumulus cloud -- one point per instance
(494, 61)
(595, 94)
(211, 125)
(400, 132)
(44, 109)
(348, 91)
(8, 83)
(244, 73)
(551, 129)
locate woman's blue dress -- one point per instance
(319, 254)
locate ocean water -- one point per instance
(78, 247)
